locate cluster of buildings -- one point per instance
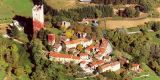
(95, 57)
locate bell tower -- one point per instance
(38, 18)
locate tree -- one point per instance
(98, 13)
(137, 13)
(146, 5)
(14, 32)
(80, 47)
(129, 12)
(37, 51)
(69, 33)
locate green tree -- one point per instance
(69, 33)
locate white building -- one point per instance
(65, 24)
(63, 57)
(74, 43)
(113, 66)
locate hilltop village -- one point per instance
(80, 40)
(92, 55)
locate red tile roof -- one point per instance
(99, 62)
(105, 66)
(114, 63)
(51, 37)
(90, 47)
(101, 51)
(109, 64)
(83, 54)
(135, 65)
(76, 41)
(60, 55)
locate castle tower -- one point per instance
(38, 18)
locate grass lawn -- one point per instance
(10, 8)
(147, 71)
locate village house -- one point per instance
(93, 65)
(84, 56)
(90, 49)
(135, 67)
(60, 57)
(106, 45)
(51, 39)
(65, 24)
(74, 43)
(83, 64)
(81, 35)
(113, 66)
(107, 58)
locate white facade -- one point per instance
(65, 24)
(109, 48)
(58, 49)
(84, 43)
(110, 67)
(115, 67)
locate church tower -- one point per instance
(38, 18)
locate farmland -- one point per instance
(127, 23)
(61, 4)
(10, 8)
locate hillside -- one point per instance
(61, 4)
(9, 8)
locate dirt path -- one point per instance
(112, 24)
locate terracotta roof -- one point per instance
(83, 62)
(135, 65)
(90, 47)
(60, 55)
(101, 51)
(83, 54)
(99, 62)
(109, 65)
(51, 37)
(76, 41)
(114, 63)
(104, 66)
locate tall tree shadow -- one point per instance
(27, 24)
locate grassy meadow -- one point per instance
(10, 8)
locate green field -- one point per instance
(61, 4)
(10, 8)
(147, 71)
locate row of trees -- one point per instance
(129, 12)
(145, 5)
(84, 12)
